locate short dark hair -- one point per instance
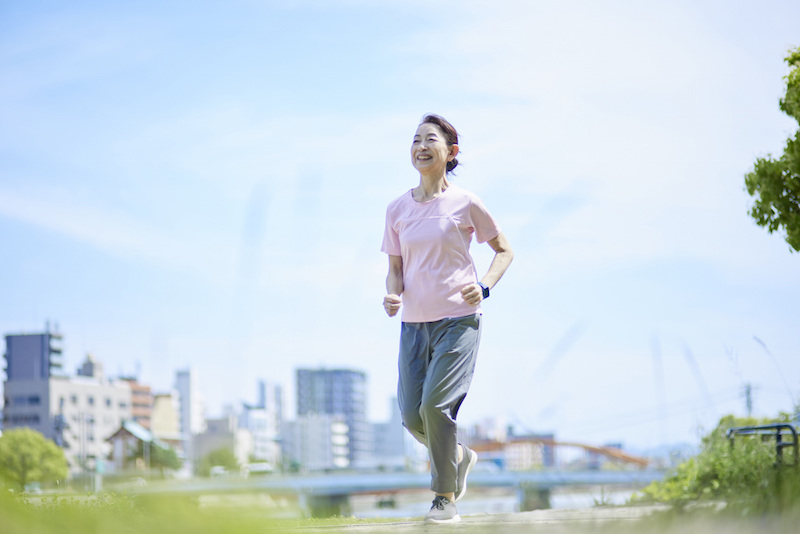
(450, 134)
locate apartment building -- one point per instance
(343, 393)
(77, 412)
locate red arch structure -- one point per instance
(609, 452)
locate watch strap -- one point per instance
(485, 289)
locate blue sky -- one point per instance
(201, 184)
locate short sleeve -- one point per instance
(486, 227)
(391, 240)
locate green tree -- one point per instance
(165, 458)
(775, 183)
(27, 456)
(219, 457)
(161, 458)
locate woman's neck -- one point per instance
(430, 187)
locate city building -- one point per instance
(316, 442)
(270, 397)
(78, 413)
(339, 392)
(523, 453)
(389, 441)
(165, 422)
(224, 433)
(125, 446)
(141, 401)
(191, 416)
(264, 421)
(497, 443)
(33, 356)
(488, 429)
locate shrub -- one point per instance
(744, 475)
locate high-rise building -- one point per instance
(340, 392)
(190, 410)
(270, 397)
(78, 413)
(264, 421)
(316, 442)
(33, 356)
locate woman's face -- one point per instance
(429, 150)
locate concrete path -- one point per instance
(540, 521)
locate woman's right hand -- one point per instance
(392, 303)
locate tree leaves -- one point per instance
(27, 456)
(775, 184)
(790, 104)
(223, 457)
(159, 458)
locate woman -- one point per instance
(433, 278)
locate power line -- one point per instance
(615, 422)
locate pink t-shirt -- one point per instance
(433, 239)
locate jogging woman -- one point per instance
(433, 279)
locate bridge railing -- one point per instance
(780, 431)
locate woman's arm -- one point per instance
(394, 286)
(473, 293)
(502, 259)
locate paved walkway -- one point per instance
(542, 521)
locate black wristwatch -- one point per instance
(485, 289)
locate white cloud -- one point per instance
(112, 232)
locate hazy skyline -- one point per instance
(199, 184)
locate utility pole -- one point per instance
(748, 399)
(146, 454)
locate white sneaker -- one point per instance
(443, 511)
(466, 464)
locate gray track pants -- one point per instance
(436, 364)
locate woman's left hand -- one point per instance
(472, 294)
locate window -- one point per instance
(73, 399)
(108, 402)
(25, 419)
(27, 400)
(90, 399)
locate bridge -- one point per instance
(614, 454)
(325, 495)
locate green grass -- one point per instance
(119, 513)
